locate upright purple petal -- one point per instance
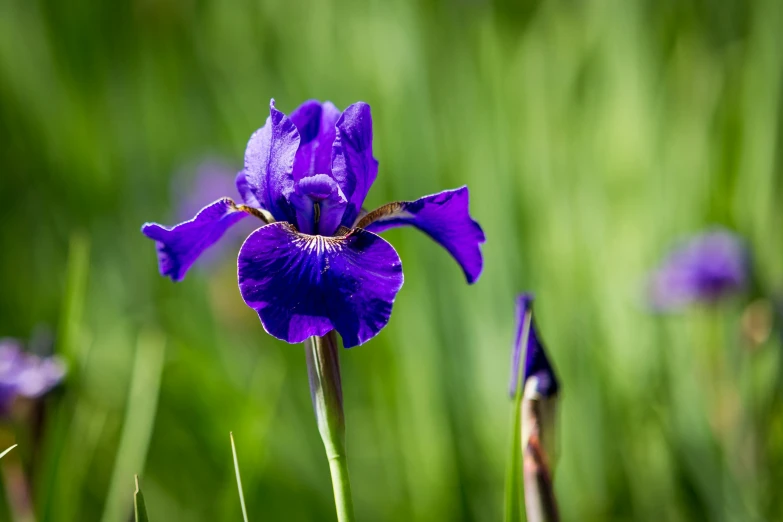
(302, 285)
(445, 217)
(269, 163)
(353, 166)
(316, 125)
(180, 246)
(707, 268)
(243, 187)
(536, 362)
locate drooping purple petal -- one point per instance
(269, 163)
(320, 190)
(304, 285)
(445, 217)
(316, 125)
(536, 362)
(707, 268)
(353, 166)
(179, 246)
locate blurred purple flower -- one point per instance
(318, 264)
(25, 375)
(536, 362)
(192, 186)
(707, 268)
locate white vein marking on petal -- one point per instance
(316, 244)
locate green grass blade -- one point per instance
(139, 420)
(239, 479)
(3, 454)
(513, 488)
(66, 448)
(513, 470)
(139, 507)
(75, 294)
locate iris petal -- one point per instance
(179, 246)
(353, 166)
(316, 125)
(243, 187)
(322, 190)
(445, 217)
(269, 163)
(536, 361)
(302, 285)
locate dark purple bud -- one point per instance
(536, 362)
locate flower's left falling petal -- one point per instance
(445, 217)
(304, 285)
(179, 246)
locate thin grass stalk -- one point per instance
(239, 479)
(513, 488)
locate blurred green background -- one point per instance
(592, 136)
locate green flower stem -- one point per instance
(323, 369)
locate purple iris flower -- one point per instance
(707, 268)
(536, 362)
(25, 375)
(318, 264)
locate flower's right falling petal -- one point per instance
(445, 217)
(179, 246)
(302, 285)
